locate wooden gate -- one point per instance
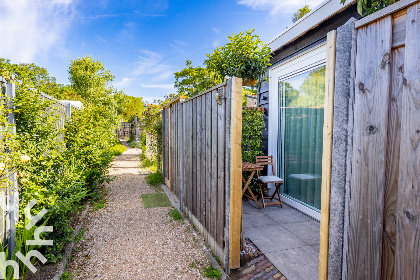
(202, 164)
(384, 232)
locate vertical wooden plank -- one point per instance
(203, 160)
(189, 160)
(194, 157)
(235, 173)
(213, 163)
(198, 162)
(221, 123)
(163, 145)
(327, 154)
(182, 156)
(208, 159)
(407, 256)
(171, 121)
(228, 101)
(186, 154)
(369, 149)
(392, 165)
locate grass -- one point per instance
(212, 272)
(151, 200)
(67, 275)
(118, 149)
(133, 144)
(175, 214)
(154, 179)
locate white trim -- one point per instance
(302, 208)
(311, 59)
(318, 15)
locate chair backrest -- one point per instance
(265, 160)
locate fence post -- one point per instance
(12, 190)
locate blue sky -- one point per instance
(141, 42)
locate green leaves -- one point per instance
(301, 13)
(367, 7)
(252, 129)
(190, 81)
(245, 56)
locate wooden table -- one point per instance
(247, 166)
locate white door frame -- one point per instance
(312, 58)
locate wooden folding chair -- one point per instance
(264, 180)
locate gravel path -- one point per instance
(126, 241)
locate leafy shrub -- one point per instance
(118, 149)
(212, 272)
(154, 179)
(245, 56)
(59, 175)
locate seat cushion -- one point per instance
(270, 179)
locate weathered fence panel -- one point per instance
(198, 165)
(384, 240)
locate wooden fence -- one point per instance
(202, 164)
(384, 204)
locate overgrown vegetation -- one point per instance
(151, 138)
(252, 129)
(154, 179)
(176, 215)
(212, 272)
(118, 149)
(301, 13)
(367, 7)
(60, 175)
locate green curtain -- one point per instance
(300, 138)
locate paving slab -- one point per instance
(273, 238)
(256, 220)
(308, 231)
(296, 264)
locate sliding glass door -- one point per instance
(301, 119)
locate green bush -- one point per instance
(252, 129)
(59, 175)
(118, 149)
(154, 179)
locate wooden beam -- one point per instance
(327, 154)
(236, 173)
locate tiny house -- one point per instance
(294, 102)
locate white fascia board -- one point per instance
(318, 15)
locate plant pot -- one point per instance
(248, 83)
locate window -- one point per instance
(301, 119)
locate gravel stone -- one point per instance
(126, 241)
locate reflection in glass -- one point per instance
(300, 136)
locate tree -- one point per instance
(301, 13)
(245, 56)
(190, 81)
(90, 79)
(128, 106)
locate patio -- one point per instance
(288, 238)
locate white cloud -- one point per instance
(123, 83)
(275, 7)
(163, 86)
(32, 29)
(152, 64)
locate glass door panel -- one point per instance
(301, 101)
